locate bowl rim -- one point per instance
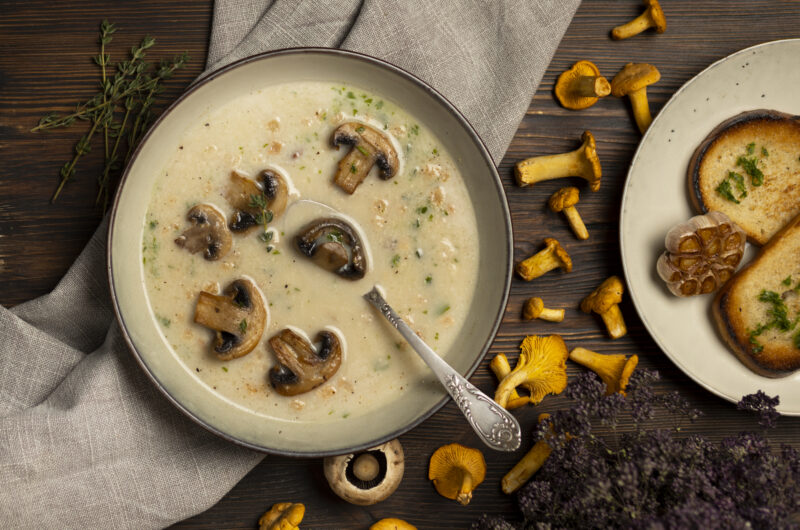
(202, 80)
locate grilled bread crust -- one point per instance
(766, 208)
(737, 309)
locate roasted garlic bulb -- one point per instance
(702, 254)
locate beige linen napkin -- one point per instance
(86, 441)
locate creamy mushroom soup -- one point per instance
(417, 231)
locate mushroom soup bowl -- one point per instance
(283, 144)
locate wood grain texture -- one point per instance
(44, 65)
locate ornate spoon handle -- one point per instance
(494, 425)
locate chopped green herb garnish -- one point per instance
(751, 147)
(164, 321)
(355, 111)
(764, 152)
(266, 237)
(778, 313)
(750, 166)
(362, 150)
(395, 260)
(422, 209)
(428, 279)
(379, 105)
(757, 346)
(368, 101)
(243, 325)
(435, 151)
(430, 217)
(444, 309)
(352, 168)
(350, 95)
(276, 251)
(436, 336)
(224, 368)
(787, 281)
(724, 189)
(360, 129)
(738, 179)
(335, 237)
(153, 224)
(345, 415)
(414, 129)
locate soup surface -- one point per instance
(419, 229)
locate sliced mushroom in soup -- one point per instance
(369, 147)
(237, 317)
(256, 203)
(300, 367)
(335, 246)
(208, 233)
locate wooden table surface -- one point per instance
(44, 65)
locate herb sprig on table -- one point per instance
(654, 478)
(121, 112)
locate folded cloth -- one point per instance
(86, 440)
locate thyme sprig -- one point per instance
(130, 92)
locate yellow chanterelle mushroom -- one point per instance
(456, 471)
(614, 370)
(541, 369)
(580, 86)
(391, 523)
(282, 516)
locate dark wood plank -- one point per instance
(44, 65)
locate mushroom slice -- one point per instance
(334, 245)
(237, 316)
(369, 477)
(369, 147)
(207, 233)
(253, 200)
(300, 368)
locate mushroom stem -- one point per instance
(582, 162)
(549, 167)
(589, 86)
(641, 109)
(526, 467)
(614, 322)
(465, 491)
(576, 222)
(634, 27)
(534, 308)
(501, 368)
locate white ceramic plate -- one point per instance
(656, 198)
(178, 382)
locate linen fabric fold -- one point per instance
(86, 441)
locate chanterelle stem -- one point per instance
(592, 86)
(576, 222)
(549, 167)
(634, 27)
(641, 109)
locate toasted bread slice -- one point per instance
(740, 308)
(762, 209)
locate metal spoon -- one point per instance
(493, 424)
